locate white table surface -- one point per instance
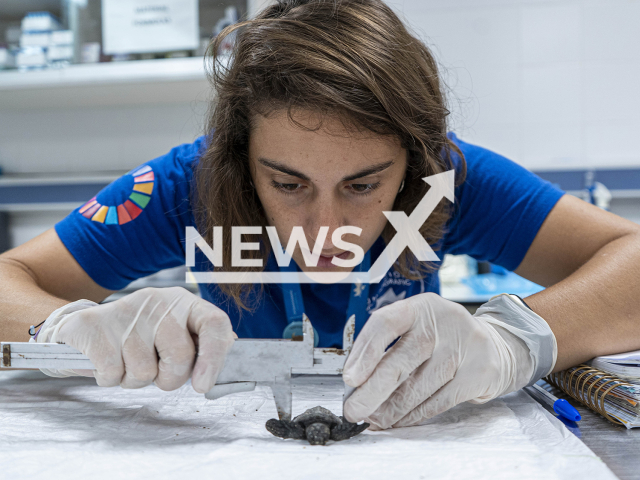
(70, 428)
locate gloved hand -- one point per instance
(146, 337)
(445, 356)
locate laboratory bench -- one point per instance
(617, 446)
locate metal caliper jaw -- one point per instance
(272, 363)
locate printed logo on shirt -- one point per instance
(138, 185)
(379, 299)
(385, 299)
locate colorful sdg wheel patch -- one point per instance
(143, 180)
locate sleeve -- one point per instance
(136, 225)
(499, 208)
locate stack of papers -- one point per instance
(626, 366)
(623, 402)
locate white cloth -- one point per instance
(72, 429)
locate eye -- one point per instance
(287, 188)
(363, 188)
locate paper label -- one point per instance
(147, 26)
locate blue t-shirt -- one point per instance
(136, 227)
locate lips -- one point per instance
(324, 261)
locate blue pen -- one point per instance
(560, 406)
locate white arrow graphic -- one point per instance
(408, 228)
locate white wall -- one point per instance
(27, 225)
(255, 6)
(551, 84)
(89, 139)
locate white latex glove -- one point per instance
(42, 336)
(146, 337)
(445, 356)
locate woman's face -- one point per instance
(332, 177)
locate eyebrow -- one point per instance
(282, 168)
(290, 171)
(368, 171)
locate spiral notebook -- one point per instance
(608, 385)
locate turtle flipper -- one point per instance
(346, 430)
(285, 429)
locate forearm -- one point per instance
(596, 310)
(22, 301)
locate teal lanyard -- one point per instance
(294, 304)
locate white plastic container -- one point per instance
(35, 39)
(90, 52)
(39, 21)
(61, 37)
(6, 58)
(60, 53)
(31, 58)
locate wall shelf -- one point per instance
(162, 81)
(23, 193)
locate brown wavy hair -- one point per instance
(353, 59)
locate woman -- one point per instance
(329, 114)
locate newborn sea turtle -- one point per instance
(317, 425)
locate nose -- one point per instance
(326, 212)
